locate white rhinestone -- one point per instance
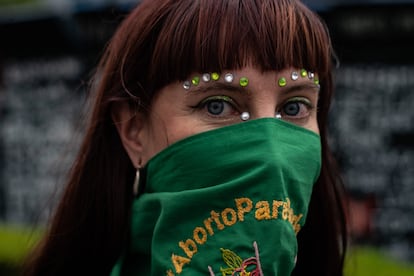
(187, 85)
(278, 116)
(311, 75)
(228, 77)
(206, 77)
(295, 75)
(245, 116)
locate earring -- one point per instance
(136, 180)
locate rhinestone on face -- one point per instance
(245, 116)
(303, 73)
(187, 85)
(316, 81)
(282, 82)
(206, 77)
(215, 76)
(278, 116)
(195, 80)
(228, 77)
(244, 81)
(311, 75)
(295, 75)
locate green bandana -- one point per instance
(224, 202)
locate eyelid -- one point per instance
(215, 98)
(303, 100)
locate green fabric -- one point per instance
(224, 201)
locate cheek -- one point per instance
(312, 123)
(315, 129)
(313, 126)
(164, 132)
(155, 138)
(177, 130)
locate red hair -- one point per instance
(162, 41)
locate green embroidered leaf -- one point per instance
(231, 258)
(226, 271)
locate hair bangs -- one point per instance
(213, 36)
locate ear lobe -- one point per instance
(129, 123)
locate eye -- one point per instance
(218, 106)
(215, 107)
(291, 109)
(296, 108)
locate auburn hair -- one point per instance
(159, 42)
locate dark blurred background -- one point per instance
(48, 49)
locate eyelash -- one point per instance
(301, 101)
(221, 99)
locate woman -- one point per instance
(219, 108)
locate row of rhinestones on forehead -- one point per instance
(282, 81)
(207, 77)
(244, 81)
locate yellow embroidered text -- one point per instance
(217, 221)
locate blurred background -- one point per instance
(49, 48)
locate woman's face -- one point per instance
(177, 113)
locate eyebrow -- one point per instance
(245, 90)
(298, 87)
(219, 86)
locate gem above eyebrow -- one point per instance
(282, 82)
(303, 73)
(187, 85)
(206, 77)
(215, 76)
(195, 80)
(311, 75)
(244, 81)
(228, 77)
(294, 75)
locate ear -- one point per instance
(129, 124)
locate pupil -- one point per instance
(291, 109)
(215, 107)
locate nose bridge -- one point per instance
(263, 104)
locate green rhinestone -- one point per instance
(303, 73)
(215, 76)
(316, 81)
(195, 80)
(244, 81)
(282, 82)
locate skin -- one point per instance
(177, 113)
